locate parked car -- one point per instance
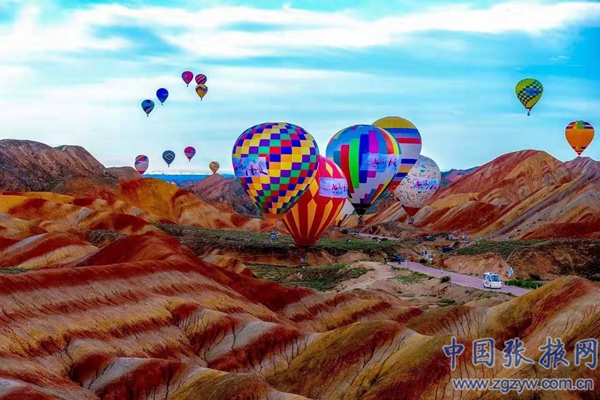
(447, 249)
(492, 281)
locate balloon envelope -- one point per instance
(201, 90)
(200, 79)
(147, 106)
(141, 164)
(409, 139)
(347, 210)
(275, 162)
(162, 94)
(529, 91)
(419, 185)
(316, 209)
(579, 134)
(168, 156)
(369, 158)
(214, 166)
(187, 77)
(189, 152)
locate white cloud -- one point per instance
(210, 32)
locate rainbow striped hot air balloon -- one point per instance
(579, 134)
(275, 162)
(316, 209)
(409, 139)
(141, 164)
(369, 158)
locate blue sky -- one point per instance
(76, 72)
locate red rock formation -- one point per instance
(28, 165)
(526, 194)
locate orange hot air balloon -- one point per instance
(316, 209)
(579, 135)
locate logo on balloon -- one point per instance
(426, 184)
(532, 91)
(379, 162)
(333, 187)
(250, 166)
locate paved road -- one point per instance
(459, 279)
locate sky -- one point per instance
(75, 72)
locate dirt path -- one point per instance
(378, 272)
(460, 279)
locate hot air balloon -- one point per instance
(320, 204)
(275, 162)
(579, 135)
(147, 106)
(189, 152)
(141, 164)
(214, 166)
(409, 139)
(162, 94)
(419, 185)
(169, 157)
(369, 158)
(347, 210)
(201, 90)
(201, 79)
(187, 77)
(529, 91)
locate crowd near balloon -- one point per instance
(282, 171)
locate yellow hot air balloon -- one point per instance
(201, 90)
(529, 91)
(214, 166)
(579, 134)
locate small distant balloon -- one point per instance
(201, 79)
(189, 152)
(187, 77)
(201, 90)
(579, 134)
(214, 166)
(147, 106)
(141, 164)
(162, 94)
(529, 91)
(169, 157)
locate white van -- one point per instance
(492, 281)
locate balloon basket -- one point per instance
(361, 222)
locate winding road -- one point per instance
(459, 279)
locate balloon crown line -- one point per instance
(162, 94)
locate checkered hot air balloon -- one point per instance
(141, 164)
(275, 162)
(409, 139)
(529, 91)
(419, 185)
(579, 134)
(369, 158)
(320, 204)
